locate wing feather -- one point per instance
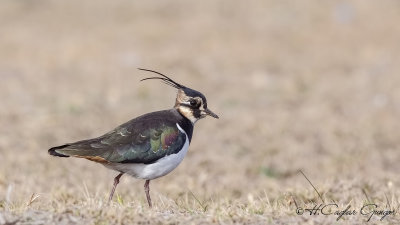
(143, 141)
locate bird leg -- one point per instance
(116, 181)
(147, 190)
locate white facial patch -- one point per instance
(188, 113)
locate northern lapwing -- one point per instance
(149, 146)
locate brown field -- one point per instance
(310, 86)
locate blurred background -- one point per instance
(311, 86)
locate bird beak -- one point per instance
(210, 113)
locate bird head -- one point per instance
(190, 103)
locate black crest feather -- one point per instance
(164, 79)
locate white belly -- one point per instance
(158, 169)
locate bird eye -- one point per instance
(193, 102)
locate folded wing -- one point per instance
(139, 142)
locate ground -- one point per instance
(301, 87)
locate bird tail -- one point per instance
(53, 151)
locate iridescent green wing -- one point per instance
(150, 145)
(139, 141)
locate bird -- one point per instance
(149, 146)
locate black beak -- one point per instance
(210, 113)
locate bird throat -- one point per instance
(188, 113)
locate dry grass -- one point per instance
(311, 86)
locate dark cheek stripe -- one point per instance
(196, 113)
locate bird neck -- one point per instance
(184, 123)
(187, 113)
